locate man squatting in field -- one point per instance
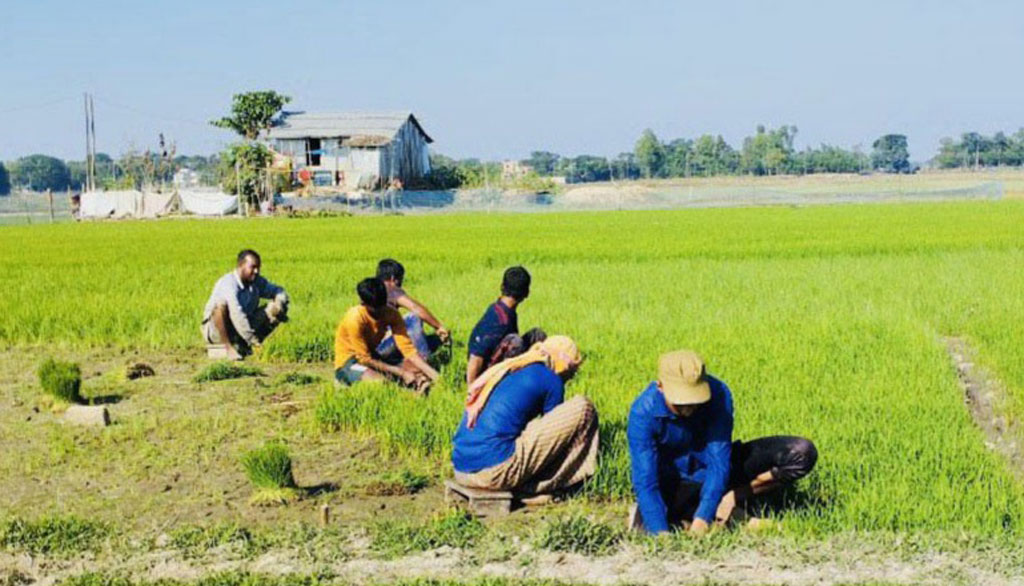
(360, 333)
(502, 444)
(392, 273)
(684, 462)
(233, 316)
(496, 336)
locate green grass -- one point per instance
(195, 540)
(824, 321)
(452, 528)
(297, 379)
(226, 371)
(58, 536)
(576, 533)
(61, 380)
(269, 469)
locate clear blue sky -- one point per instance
(499, 79)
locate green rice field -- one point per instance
(825, 321)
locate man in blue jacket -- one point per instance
(684, 462)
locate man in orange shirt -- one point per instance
(360, 332)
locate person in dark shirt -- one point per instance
(518, 434)
(684, 462)
(496, 336)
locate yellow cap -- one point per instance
(682, 378)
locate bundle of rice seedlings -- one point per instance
(224, 371)
(269, 468)
(61, 380)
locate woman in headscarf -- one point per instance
(502, 444)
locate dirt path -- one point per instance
(843, 566)
(985, 398)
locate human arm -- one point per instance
(404, 300)
(407, 348)
(716, 457)
(555, 392)
(641, 432)
(268, 290)
(474, 366)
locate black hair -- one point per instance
(516, 283)
(372, 292)
(247, 253)
(390, 268)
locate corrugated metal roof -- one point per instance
(371, 128)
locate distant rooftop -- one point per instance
(362, 128)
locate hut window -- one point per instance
(313, 152)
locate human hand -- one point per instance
(725, 508)
(409, 378)
(698, 527)
(233, 354)
(444, 334)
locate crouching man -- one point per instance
(518, 435)
(233, 316)
(360, 332)
(685, 465)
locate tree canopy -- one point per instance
(5, 180)
(890, 154)
(40, 172)
(252, 112)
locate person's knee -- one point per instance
(583, 411)
(220, 313)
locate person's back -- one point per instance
(516, 400)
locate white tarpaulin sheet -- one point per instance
(125, 204)
(205, 203)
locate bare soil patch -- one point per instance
(985, 398)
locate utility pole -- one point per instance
(92, 133)
(88, 146)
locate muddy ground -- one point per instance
(170, 459)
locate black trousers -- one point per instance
(788, 458)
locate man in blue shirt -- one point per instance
(496, 336)
(684, 462)
(517, 433)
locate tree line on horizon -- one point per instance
(767, 152)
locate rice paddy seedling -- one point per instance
(55, 535)
(269, 469)
(575, 533)
(61, 380)
(225, 371)
(824, 321)
(453, 528)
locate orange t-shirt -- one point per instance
(359, 334)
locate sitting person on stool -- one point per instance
(502, 444)
(685, 464)
(233, 316)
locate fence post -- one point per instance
(49, 196)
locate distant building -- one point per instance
(354, 150)
(185, 177)
(514, 169)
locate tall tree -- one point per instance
(543, 162)
(40, 172)
(890, 154)
(650, 154)
(252, 112)
(5, 180)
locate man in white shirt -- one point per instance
(233, 316)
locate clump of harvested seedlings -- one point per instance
(454, 528)
(61, 380)
(226, 371)
(297, 378)
(52, 535)
(395, 484)
(578, 534)
(269, 468)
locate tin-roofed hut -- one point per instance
(350, 150)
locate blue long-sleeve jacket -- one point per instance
(695, 449)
